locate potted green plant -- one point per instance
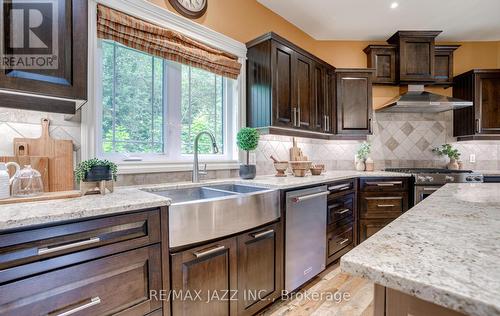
(96, 170)
(363, 152)
(452, 153)
(247, 140)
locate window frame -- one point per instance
(91, 123)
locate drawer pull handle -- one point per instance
(309, 196)
(343, 241)
(264, 233)
(201, 254)
(385, 184)
(343, 211)
(340, 187)
(93, 301)
(386, 205)
(46, 250)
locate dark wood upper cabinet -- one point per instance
(68, 79)
(383, 59)
(354, 101)
(443, 65)
(415, 55)
(303, 107)
(482, 120)
(287, 87)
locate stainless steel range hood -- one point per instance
(416, 100)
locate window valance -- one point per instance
(159, 41)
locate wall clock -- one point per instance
(192, 9)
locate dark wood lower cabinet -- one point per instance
(235, 276)
(260, 273)
(368, 227)
(204, 280)
(116, 284)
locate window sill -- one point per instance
(156, 167)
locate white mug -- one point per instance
(5, 179)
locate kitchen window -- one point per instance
(151, 109)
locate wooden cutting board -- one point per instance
(59, 152)
(38, 163)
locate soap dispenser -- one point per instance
(5, 179)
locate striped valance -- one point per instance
(159, 41)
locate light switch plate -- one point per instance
(472, 158)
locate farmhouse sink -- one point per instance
(192, 194)
(208, 212)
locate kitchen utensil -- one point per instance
(60, 154)
(295, 152)
(5, 179)
(44, 197)
(41, 164)
(299, 172)
(274, 159)
(27, 182)
(316, 170)
(300, 165)
(369, 164)
(281, 167)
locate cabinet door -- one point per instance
(282, 95)
(383, 59)
(68, 77)
(369, 227)
(209, 271)
(416, 57)
(320, 102)
(487, 95)
(354, 102)
(260, 262)
(303, 75)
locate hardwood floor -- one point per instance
(354, 297)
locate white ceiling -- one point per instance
(460, 20)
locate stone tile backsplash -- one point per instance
(399, 140)
(22, 123)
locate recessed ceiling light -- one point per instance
(394, 5)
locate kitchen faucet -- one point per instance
(196, 171)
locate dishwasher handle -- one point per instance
(299, 199)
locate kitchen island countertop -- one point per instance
(445, 250)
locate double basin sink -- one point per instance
(208, 212)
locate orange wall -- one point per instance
(245, 20)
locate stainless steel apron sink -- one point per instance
(208, 212)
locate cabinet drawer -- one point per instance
(137, 229)
(381, 206)
(118, 283)
(368, 227)
(341, 210)
(341, 187)
(339, 239)
(383, 184)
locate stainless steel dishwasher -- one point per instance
(305, 242)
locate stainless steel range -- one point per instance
(429, 180)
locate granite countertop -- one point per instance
(44, 212)
(445, 250)
(13, 216)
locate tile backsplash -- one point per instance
(399, 140)
(22, 123)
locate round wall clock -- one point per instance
(192, 9)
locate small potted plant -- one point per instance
(363, 152)
(247, 140)
(94, 170)
(451, 153)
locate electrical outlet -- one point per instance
(472, 158)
